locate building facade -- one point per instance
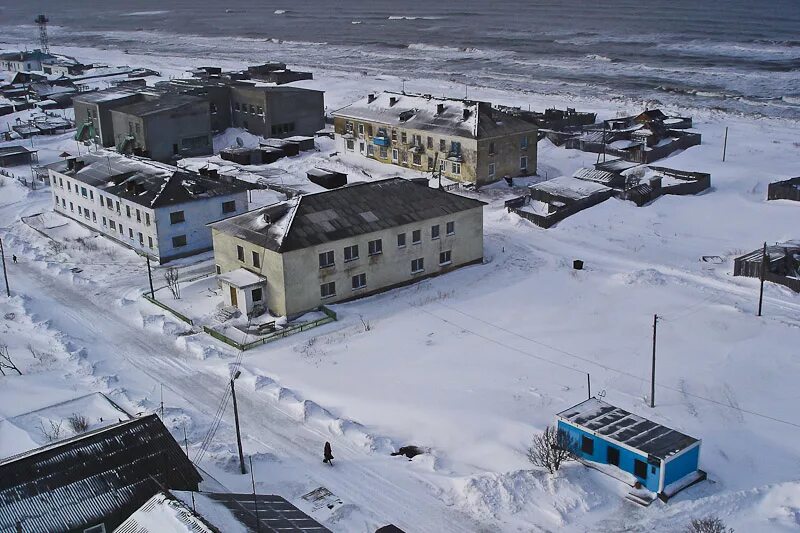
(467, 141)
(350, 242)
(156, 210)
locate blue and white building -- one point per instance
(663, 460)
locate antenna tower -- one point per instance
(42, 21)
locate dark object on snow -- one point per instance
(391, 528)
(408, 451)
(509, 180)
(330, 179)
(577, 264)
(14, 258)
(328, 454)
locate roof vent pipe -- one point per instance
(370, 98)
(392, 101)
(466, 113)
(439, 109)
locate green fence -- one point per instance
(165, 307)
(330, 316)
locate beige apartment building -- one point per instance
(345, 243)
(469, 141)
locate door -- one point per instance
(612, 456)
(640, 469)
(234, 300)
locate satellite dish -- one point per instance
(239, 142)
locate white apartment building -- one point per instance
(345, 243)
(156, 209)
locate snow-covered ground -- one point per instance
(471, 364)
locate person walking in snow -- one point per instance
(328, 454)
(14, 258)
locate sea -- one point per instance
(737, 56)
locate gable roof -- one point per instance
(146, 182)
(93, 476)
(620, 426)
(464, 118)
(356, 209)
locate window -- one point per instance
(61, 182)
(348, 126)
(71, 207)
(417, 159)
(128, 211)
(359, 281)
(401, 240)
(523, 163)
(326, 290)
(105, 222)
(91, 195)
(121, 231)
(375, 247)
(455, 147)
(491, 148)
(350, 253)
(587, 445)
(445, 258)
(523, 142)
(138, 216)
(150, 244)
(147, 218)
(612, 456)
(141, 238)
(442, 145)
(451, 228)
(240, 253)
(491, 170)
(179, 241)
(256, 260)
(229, 207)
(130, 233)
(94, 216)
(404, 158)
(80, 210)
(640, 469)
(112, 224)
(252, 109)
(176, 217)
(351, 144)
(394, 135)
(456, 168)
(326, 259)
(416, 236)
(435, 231)
(84, 193)
(369, 130)
(361, 129)
(403, 137)
(117, 206)
(63, 203)
(257, 294)
(219, 269)
(417, 265)
(259, 110)
(56, 199)
(69, 186)
(430, 143)
(395, 155)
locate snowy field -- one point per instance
(469, 365)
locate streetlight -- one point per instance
(236, 419)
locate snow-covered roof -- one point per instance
(620, 426)
(241, 278)
(450, 116)
(163, 514)
(570, 187)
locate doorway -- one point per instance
(234, 299)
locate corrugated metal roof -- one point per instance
(337, 214)
(102, 475)
(626, 428)
(267, 513)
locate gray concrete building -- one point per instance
(93, 112)
(171, 126)
(277, 111)
(346, 243)
(156, 209)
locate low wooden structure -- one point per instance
(784, 190)
(782, 261)
(13, 156)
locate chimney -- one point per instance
(71, 163)
(466, 113)
(213, 173)
(655, 183)
(79, 164)
(370, 98)
(439, 109)
(392, 101)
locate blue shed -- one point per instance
(661, 459)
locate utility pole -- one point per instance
(589, 384)
(186, 445)
(150, 276)
(162, 401)
(236, 419)
(255, 497)
(764, 264)
(725, 144)
(5, 272)
(653, 375)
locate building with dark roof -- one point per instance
(781, 264)
(170, 127)
(25, 61)
(661, 459)
(92, 481)
(156, 209)
(350, 242)
(469, 141)
(11, 156)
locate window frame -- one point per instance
(178, 238)
(331, 294)
(450, 228)
(256, 257)
(587, 445)
(359, 277)
(348, 250)
(226, 206)
(375, 247)
(420, 262)
(180, 215)
(326, 255)
(449, 257)
(401, 237)
(240, 253)
(416, 236)
(436, 232)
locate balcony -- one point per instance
(381, 141)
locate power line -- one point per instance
(605, 367)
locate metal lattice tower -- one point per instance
(42, 21)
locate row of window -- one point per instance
(245, 108)
(359, 281)
(240, 255)
(416, 139)
(351, 253)
(283, 129)
(612, 457)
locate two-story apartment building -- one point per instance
(156, 209)
(346, 243)
(469, 141)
